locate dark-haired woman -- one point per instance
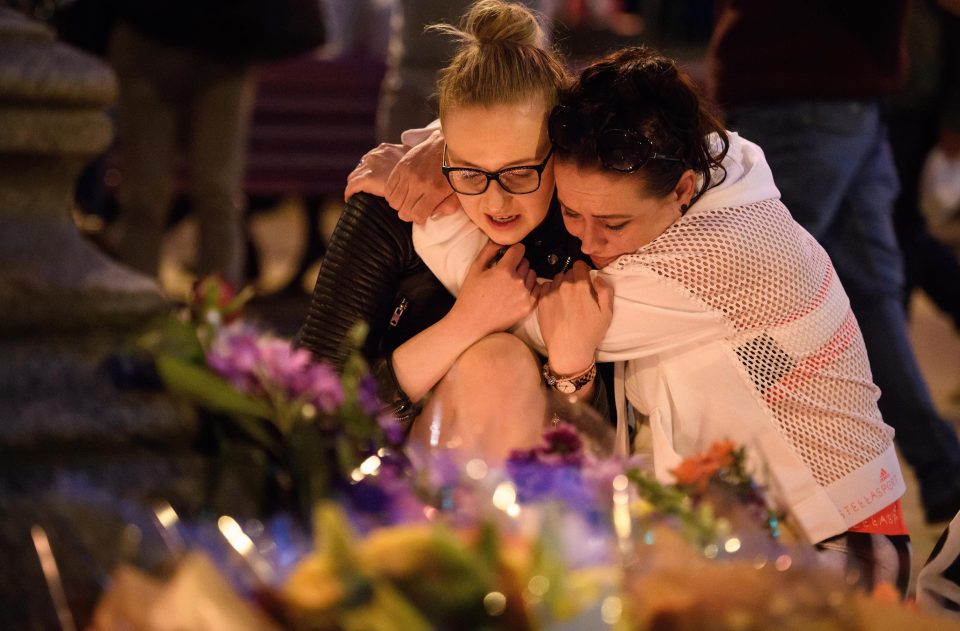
(729, 321)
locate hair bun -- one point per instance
(500, 22)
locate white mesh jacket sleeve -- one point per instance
(651, 314)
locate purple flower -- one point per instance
(552, 469)
(255, 364)
(394, 431)
(562, 445)
(322, 387)
(283, 366)
(386, 498)
(293, 372)
(539, 481)
(234, 355)
(367, 395)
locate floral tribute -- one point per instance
(558, 537)
(314, 426)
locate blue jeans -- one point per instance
(832, 162)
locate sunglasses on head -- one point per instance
(623, 150)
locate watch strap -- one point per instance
(568, 384)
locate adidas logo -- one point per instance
(884, 475)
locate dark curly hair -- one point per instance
(639, 89)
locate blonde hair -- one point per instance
(502, 58)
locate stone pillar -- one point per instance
(52, 121)
(77, 454)
(66, 306)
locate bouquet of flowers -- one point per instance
(267, 400)
(479, 548)
(545, 541)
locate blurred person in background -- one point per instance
(805, 82)
(184, 69)
(413, 59)
(415, 56)
(925, 137)
(357, 27)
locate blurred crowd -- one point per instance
(188, 73)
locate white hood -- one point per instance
(748, 178)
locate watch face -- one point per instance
(566, 387)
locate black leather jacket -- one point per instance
(372, 273)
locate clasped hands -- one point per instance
(574, 309)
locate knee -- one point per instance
(500, 360)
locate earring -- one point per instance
(684, 208)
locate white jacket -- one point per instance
(732, 324)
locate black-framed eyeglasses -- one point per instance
(623, 150)
(518, 180)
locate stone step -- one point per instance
(57, 390)
(84, 502)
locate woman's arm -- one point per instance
(493, 298)
(574, 312)
(408, 176)
(371, 252)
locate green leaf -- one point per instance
(333, 537)
(236, 305)
(355, 367)
(549, 561)
(388, 611)
(174, 337)
(488, 545)
(207, 389)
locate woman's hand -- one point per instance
(416, 187)
(496, 294)
(370, 175)
(574, 311)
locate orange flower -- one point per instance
(696, 471)
(885, 593)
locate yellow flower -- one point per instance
(313, 586)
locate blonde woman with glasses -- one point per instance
(447, 365)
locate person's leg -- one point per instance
(492, 401)
(218, 149)
(865, 264)
(147, 122)
(936, 270)
(813, 161)
(927, 441)
(929, 264)
(833, 167)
